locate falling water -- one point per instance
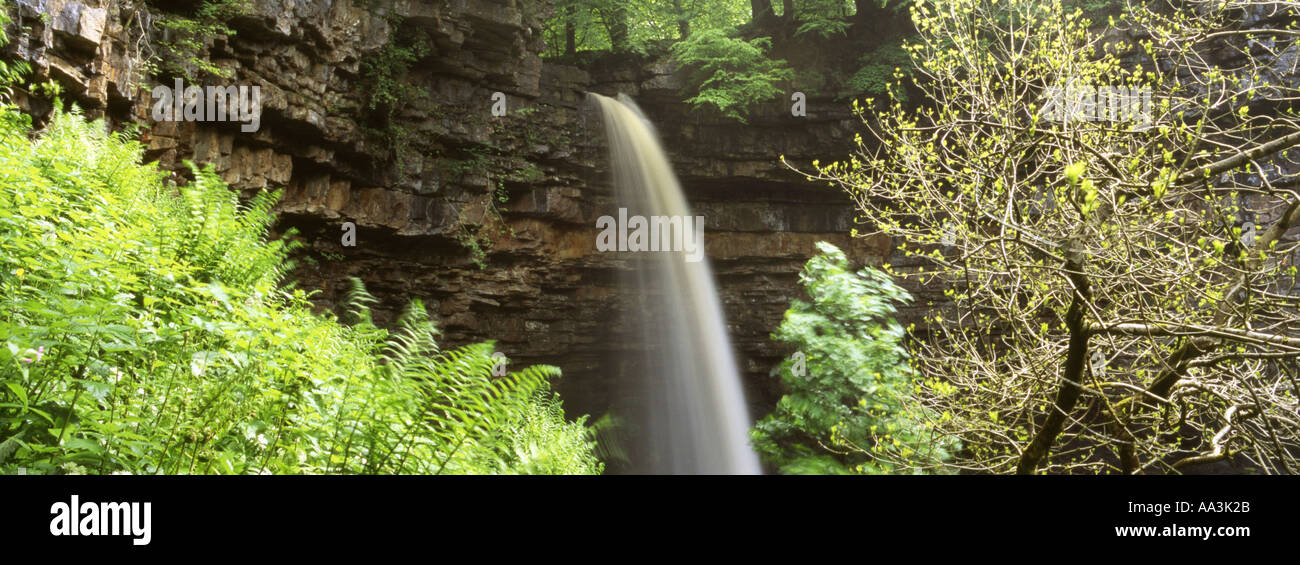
(692, 418)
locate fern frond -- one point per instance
(414, 337)
(357, 302)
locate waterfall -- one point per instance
(690, 414)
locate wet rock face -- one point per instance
(437, 175)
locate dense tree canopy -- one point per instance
(636, 25)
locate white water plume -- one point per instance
(693, 417)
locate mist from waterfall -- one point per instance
(690, 416)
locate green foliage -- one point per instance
(530, 173)
(143, 330)
(477, 236)
(849, 410)
(541, 442)
(478, 163)
(649, 22)
(1086, 257)
(10, 72)
(383, 77)
(728, 74)
(877, 71)
(186, 39)
(476, 244)
(824, 18)
(383, 70)
(584, 18)
(480, 222)
(1096, 11)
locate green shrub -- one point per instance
(849, 408)
(143, 329)
(729, 74)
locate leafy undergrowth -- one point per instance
(850, 404)
(144, 330)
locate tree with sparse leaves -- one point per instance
(1119, 276)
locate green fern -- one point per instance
(10, 72)
(413, 339)
(357, 302)
(143, 330)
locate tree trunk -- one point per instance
(865, 11)
(1072, 374)
(871, 15)
(787, 10)
(616, 25)
(761, 11)
(570, 34)
(683, 21)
